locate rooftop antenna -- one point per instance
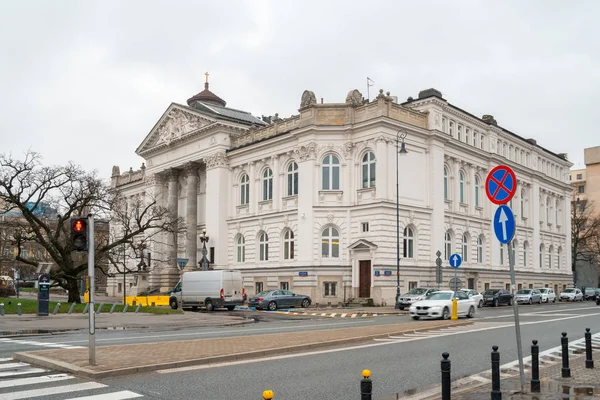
(370, 83)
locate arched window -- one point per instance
(445, 183)
(447, 245)
(288, 245)
(408, 243)
(541, 255)
(465, 247)
(461, 187)
(550, 251)
(522, 203)
(477, 190)
(244, 189)
(525, 247)
(241, 249)
(330, 243)
(292, 179)
(368, 170)
(558, 256)
(331, 172)
(268, 184)
(480, 250)
(263, 247)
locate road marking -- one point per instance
(42, 344)
(125, 394)
(12, 365)
(5, 359)
(21, 371)
(26, 394)
(34, 380)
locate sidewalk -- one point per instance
(32, 324)
(583, 384)
(133, 358)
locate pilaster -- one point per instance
(217, 201)
(191, 240)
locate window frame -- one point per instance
(368, 170)
(332, 247)
(328, 166)
(263, 247)
(267, 184)
(292, 179)
(408, 242)
(240, 249)
(288, 245)
(244, 189)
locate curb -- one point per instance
(45, 362)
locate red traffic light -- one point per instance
(79, 225)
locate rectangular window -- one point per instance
(520, 286)
(508, 287)
(486, 286)
(365, 227)
(531, 286)
(120, 288)
(412, 285)
(329, 289)
(284, 285)
(211, 255)
(581, 189)
(326, 178)
(336, 178)
(258, 287)
(579, 176)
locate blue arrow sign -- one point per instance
(455, 260)
(504, 224)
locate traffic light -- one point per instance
(79, 234)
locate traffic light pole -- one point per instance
(91, 273)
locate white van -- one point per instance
(211, 289)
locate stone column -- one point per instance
(172, 177)
(191, 218)
(217, 205)
(154, 194)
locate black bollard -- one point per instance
(446, 380)
(535, 367)
(589, 362)
(496, 393)
(366, 386)
(564, 341)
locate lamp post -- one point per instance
(402, 150)
(204, 240)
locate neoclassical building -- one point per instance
(308, 203)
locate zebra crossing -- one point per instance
(36, 343)
(20, 380)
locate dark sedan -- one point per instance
(274, 299)
(496, 297)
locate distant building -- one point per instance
(308, 203)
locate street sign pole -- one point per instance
(91, 273)
(511, 263)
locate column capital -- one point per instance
(172, 174)
(191, 168)
(218, 159)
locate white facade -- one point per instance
(309, 203)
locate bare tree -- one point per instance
(585, 234)
(48, 197)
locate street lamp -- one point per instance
(402, 150)
(203, 240)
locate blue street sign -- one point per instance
(455, 260)
(504, 224)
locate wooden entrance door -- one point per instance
(364, 289)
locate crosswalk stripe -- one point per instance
(353, 316)
(34, 380)
(21, 371)
(125, 394)
(343, 315)
(5, 359)
(12, 365)
(26, 394)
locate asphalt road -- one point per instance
(334, 374)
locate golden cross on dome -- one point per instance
(206, 76)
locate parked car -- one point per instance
(528, 296)
(496, 297)
(548, 295)
(598, 299)
(476, 296)
(590, 293)
(274, 299)
(571, 294)
(416, 294)
(211, 289)
(439, 305)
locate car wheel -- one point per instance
(510, 302)
(559, 299)
(480, 304)
(495, 302)
(471, 313)
(230, 308)
(554, 300)
(173, 304)
(272, 306)
(305, 303)
(530, 301)
(446, 313)
(210, 306)
(540, 301)
(415, 318)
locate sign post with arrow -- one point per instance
(455, 283)
(500, 187)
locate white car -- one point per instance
(571, 294)
(439, 305)
(548, 295)
(476, 296)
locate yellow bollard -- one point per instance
(268, 394)
(454, 309)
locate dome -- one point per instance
(206, 96)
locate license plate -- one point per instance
(422, 312)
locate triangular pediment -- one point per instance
(362, 244)
(174, 125)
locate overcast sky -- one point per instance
(85, 81)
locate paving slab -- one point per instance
(144, 357)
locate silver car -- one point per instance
(528, 296)
(274, 299)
